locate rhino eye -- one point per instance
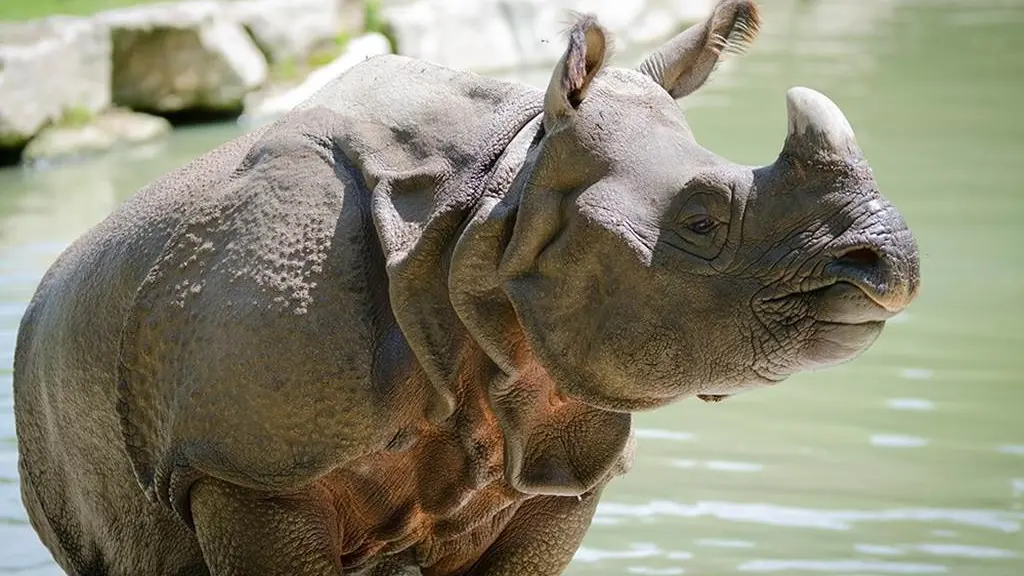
(701, 225)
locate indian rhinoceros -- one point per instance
(402, 329)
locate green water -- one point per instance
(909, 460)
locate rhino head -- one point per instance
(643, 268)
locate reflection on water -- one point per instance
(907, 461)
(656, 434)
(635, 551)
(720, 465)
(822, 519)
(898, 441)
(916, 373)
(715, 543)
(910, 404)
(842, 567)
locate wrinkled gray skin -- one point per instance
(402, 330)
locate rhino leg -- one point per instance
(541, 539)
(242, 532)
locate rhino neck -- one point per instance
(553, 444)
(424, 159)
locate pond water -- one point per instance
(909, 460)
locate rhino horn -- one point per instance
(817, 128)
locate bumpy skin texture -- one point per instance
(402, 330)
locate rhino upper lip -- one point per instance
(848, 302)
(841, 301)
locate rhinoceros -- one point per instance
(403, 329)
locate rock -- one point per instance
(49, 68)
(55, 142)
(661, 19)
(480, 35)
(352, 14)
(270, 107)
(291, 30)
(189, 56)
(107, 131)
(133, 127)
(499, 35)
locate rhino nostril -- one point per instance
(859, 258)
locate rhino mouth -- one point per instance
(829, 322)
(838, 301)
(847, 303)
(846, 321)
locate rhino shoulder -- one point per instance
(250, 349)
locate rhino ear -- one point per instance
(686, 61)
(583, 58)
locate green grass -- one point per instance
(29, 9)
(286, 71)
(374, 22)
(290, 70)
(75, 117)
(326, 54)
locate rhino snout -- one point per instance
(886, 269)
(889, 277)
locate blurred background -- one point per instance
(909, 460)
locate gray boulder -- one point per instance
(187, 56)
(291, 30)
(107, 131)
(261, 108)
(500, 35)
(50, 68)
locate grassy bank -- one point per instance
(29, 9)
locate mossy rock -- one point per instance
(77, 136)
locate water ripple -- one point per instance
(910, 404)
(898, 441)
(965, 551)
(917, 373)
(774, 515)
(720, 465)
(12, 311)
(878, 550)
(716, 543)
(938, 549)
(19, 550)
(657, 434)
(843, 566)
(640, 550)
